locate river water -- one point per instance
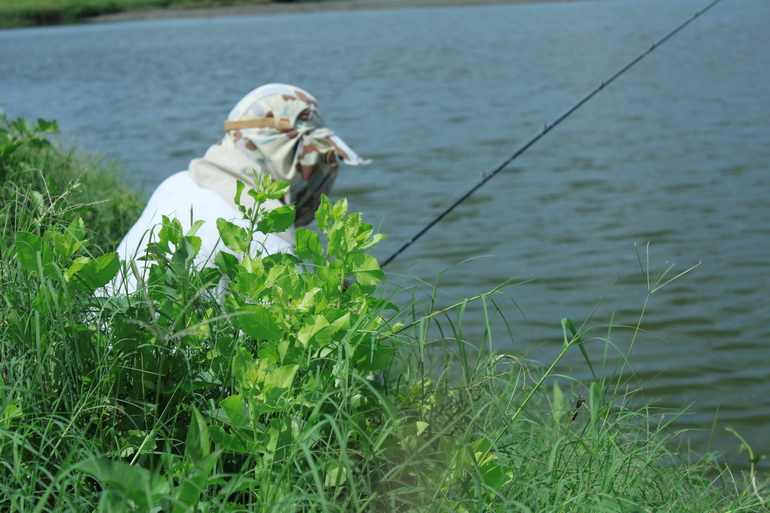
(674, 154)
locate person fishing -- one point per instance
(275, 129)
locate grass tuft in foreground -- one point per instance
(292, 391)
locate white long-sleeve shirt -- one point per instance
(180, 197)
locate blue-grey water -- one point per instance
(676, 154)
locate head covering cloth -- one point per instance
(280, 130)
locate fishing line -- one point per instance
(485, 177)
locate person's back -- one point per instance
(276, 129)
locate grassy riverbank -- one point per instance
(294, 393)
(20, 13)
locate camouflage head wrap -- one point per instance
(280, 128)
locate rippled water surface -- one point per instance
(674, 154)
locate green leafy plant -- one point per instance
(292, 383)
(20, 134)
(294, 344)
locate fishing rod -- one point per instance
(485, 177)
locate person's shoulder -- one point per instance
(180, 179)
(177, 185)
(180, 193)
(171, 190)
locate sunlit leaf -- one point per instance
(281, 377)
(235, 410)
(277, 220)
(365, 268)
(277, 190)
(96, 273)
(259, 323)
(308, 245)
(335, 476)
(234, 237)
(313, 332)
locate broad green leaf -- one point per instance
(134, 440)
(281, 377)
(259, 196)
(44, 299)
(287, 260)
(236, 411)
(281, 348)
(246, 370)
(323, 215)
(182, 258)
(340, 209)
(227, 263)
(377, 303)
(21, 125)
(277, 190)
(76, 266)
(329, 276)
(96, 273)
(252, 264)
(227, 441)
(250, 285)
(309, 245)
(47, 127)
(311, 298)
(283, 277)
(210, 276)
(170, 231)
(493, 475)
(339, 241)
(340, 319)
(259, 323)
(28, 247)
(370, 359)
(311, 330)
(270, 352)
(281, 437)
(234, 237)
(131, 482)
(77, 229)
(278, 220)
(482, 450)
(365, 268)
(9, 412)
(64, 244)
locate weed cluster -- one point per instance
(281, 382)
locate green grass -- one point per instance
(45, 186)
(20, 13)
(173, 399)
